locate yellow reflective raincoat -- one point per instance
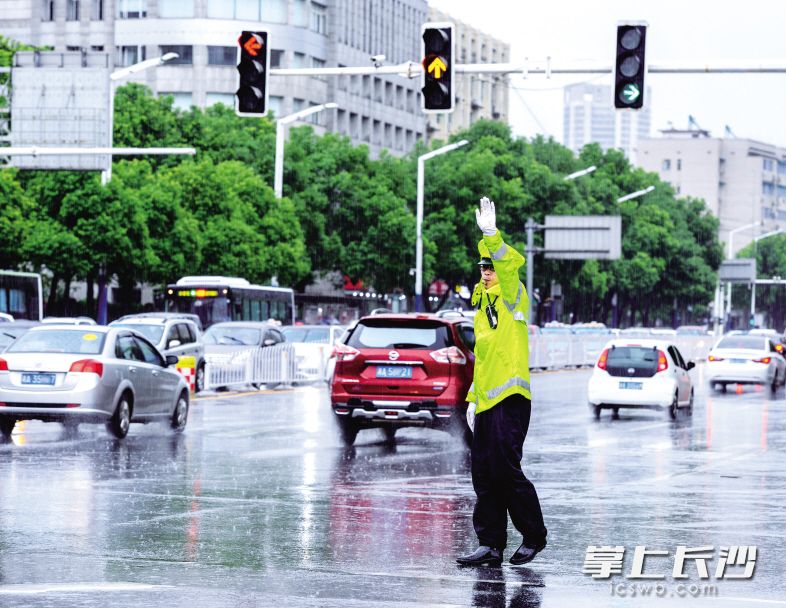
(501, 354)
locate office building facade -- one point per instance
(743, 181)
(382, 112)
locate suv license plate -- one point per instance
(633, 385)
(394, 371)
(46, 379)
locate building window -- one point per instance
(319, 18)
(48, 12)
(168, 9)
(768, 189)
(180, 101)
(299, 13)
(129, 55)
(318, 63)
(185, 54)
(276, 58)
(768, 164)
(274, 104)
(97, 10)
(72, 10)
(679, 164)
(73, 48)
(247, 10)
(298, 104)
(131, 9)
(274, 11)
(666, 166)
(97, 48)
(228, 99)
(299, 60)
(221, 55)
(220, 9)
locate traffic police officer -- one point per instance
(501, 397)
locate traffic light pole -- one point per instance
(410, 69)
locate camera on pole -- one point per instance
(438, 55)
(253, 58)
(630, 68)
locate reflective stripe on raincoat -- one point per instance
(501, 354)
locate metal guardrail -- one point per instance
(286, 364)
(282, 364)
(556, 351)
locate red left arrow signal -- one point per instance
(252, 45)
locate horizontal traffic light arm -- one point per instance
(79, 151)
(411, 69)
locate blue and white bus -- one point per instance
(216, 299)
(21, 295)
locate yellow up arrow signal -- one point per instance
(437, 66)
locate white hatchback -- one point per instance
(746, 359)
(641, 373)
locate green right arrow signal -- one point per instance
(630, 93)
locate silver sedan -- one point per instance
(75, 374)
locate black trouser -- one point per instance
(497, 477)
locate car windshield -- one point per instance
(59, 341)
(637, 357)
(743, 342)
(243, 336)
(313, 335)
(431, 336)
(294, 334)
(151, 332)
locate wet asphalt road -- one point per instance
(257, 504)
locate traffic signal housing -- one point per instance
(630, 67)
(438, 53)
(253, 59)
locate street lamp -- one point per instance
(753, 285)
(580, 173)
(106, 176)
(729, 251)
(419, 222)
(636, 194)
(281, 123)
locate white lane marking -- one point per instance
(25, 589)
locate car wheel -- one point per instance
(615, 413)
(774, 385)
(348, 430)
(71, 427)
(689, 411)
(722, 388)
(120, 421)
(180, 415)
(595, 410)
(199, 382)
(673, 408)
(7, 427)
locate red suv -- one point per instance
(396, 370)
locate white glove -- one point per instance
(471, 416)
(486, 217)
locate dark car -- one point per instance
(397, 370)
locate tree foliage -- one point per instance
(163, 217)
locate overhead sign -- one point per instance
(60, 100)
(742, 270)
(583, 237)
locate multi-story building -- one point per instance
(380, 111)
(477, 95)
(589, 116)
(743, 181)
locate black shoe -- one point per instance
(525, 554)
(483, 556)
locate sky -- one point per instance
(680, 33)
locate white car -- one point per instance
(746, 359)
(641, 373)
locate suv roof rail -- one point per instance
(380, 311)
(450, 313)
